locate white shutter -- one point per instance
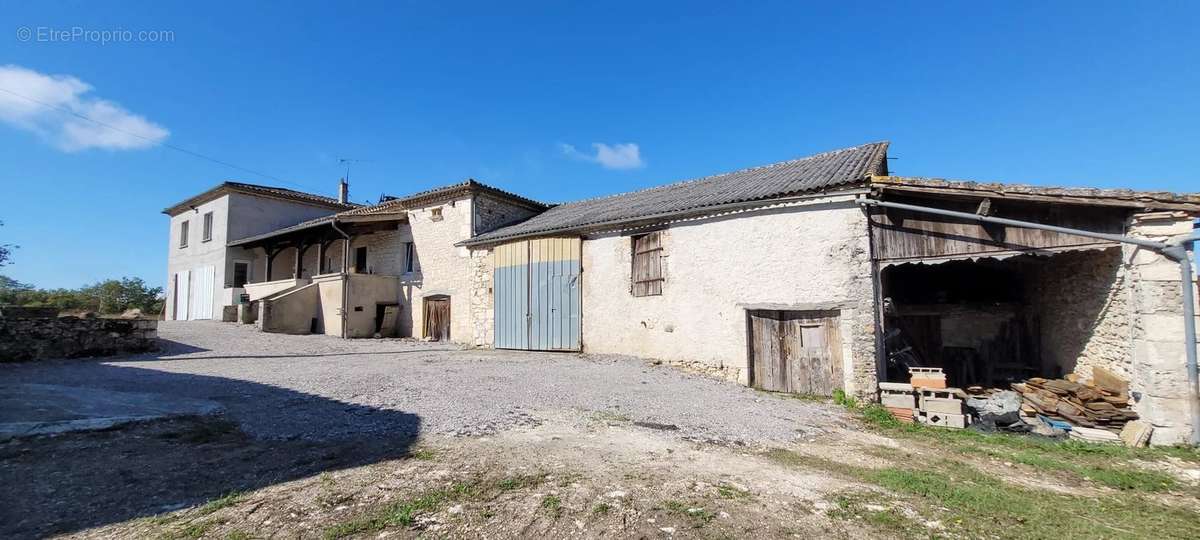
(185, 295)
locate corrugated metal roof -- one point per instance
(805, 175)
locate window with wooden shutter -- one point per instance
(647, 265)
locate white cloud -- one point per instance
(68, 132)
(617, 156)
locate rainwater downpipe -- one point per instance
(1177, 251)
(345, 273)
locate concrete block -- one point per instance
(1164, 412)
(1170, 436)
(1145, 256)
(1158, 297)
(1162, 355)
(1164, 270)
(958, 421)
(1162, 226)
(1162, 327)
(1166, 383)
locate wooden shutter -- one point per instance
(647, 264)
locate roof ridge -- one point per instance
(826, 153)
(469, 183)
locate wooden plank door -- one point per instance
(767, 371)
(437, 318)
(795, 351)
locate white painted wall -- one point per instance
(235, 216)
(809, 254)
(198, 254)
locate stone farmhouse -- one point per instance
(804, 276)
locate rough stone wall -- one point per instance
(1082, 302)
(385, 253)
(1159, 367)
(491, 213)
(482, 303)
(443, 268)
(800, 255)
(73, 337)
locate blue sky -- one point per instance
(516, 95)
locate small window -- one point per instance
(241, 274)
(183, 234)
(207, 227)
(647, 274)
(435, 214)
(410, 258)
(360, 260)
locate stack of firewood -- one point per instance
(1102, 402)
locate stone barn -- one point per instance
(796, 277)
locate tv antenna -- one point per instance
(347, 162)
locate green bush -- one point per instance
(107, 297)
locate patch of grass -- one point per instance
(697, 514)
(726, 491)
(520, 481)
(1103, 464)
(568, 479)
(238, 535)
(601, 509)
(876, 511)
(225, 501)
(195, 529)
(611, 416)
(404, 512)
(973, 504)
(841, 398)
(552, 504)
(423, 454)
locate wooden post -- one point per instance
(298, 268)
(321, 256)
(270, 262)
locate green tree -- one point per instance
(116, 296)
(107, 297)
(6, 251)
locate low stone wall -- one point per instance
(23, 339)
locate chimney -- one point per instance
(343, 191)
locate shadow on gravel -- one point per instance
(76, 481)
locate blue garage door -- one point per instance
(538, 295)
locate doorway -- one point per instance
(437, 317)
(797, 352)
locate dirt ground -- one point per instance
(715, 460)
(608, 479)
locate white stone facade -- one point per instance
(235, 215)
(1158, 368)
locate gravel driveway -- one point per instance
(320, 387)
